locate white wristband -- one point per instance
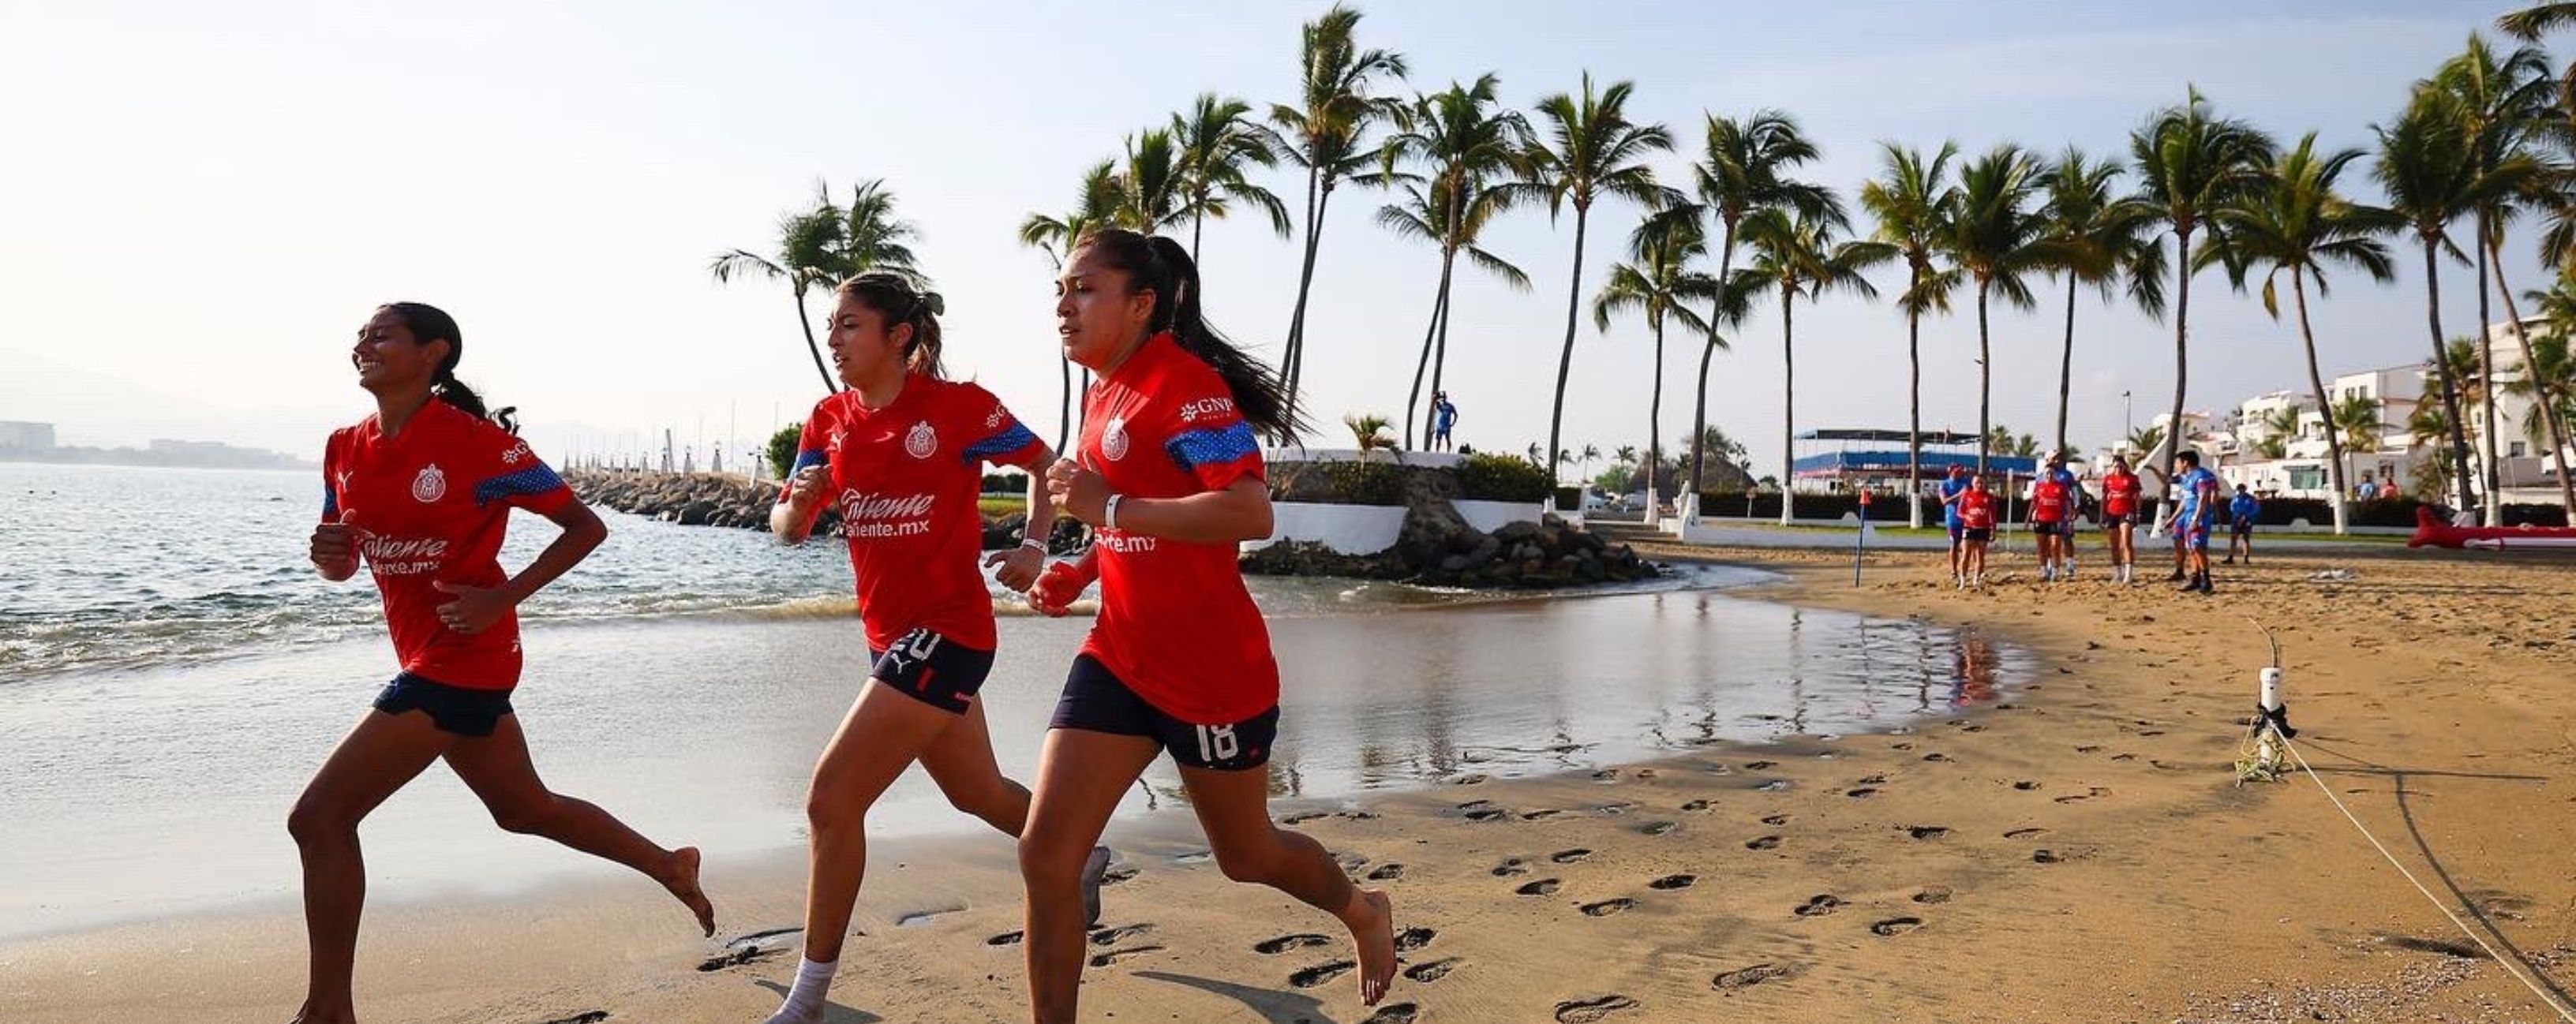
(1109, 512)
(1034, 544)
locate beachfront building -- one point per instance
(2526, 470)
(19, 438)
(1841, 461)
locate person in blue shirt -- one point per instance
(1951, 489)
(2196, 513)
(1444, 415)
(2241, 511)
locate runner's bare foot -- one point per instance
(1371, 920)
(682, 879)
(309, 1015)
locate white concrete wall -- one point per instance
(1349, 529)
(1490, 516)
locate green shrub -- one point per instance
(1501, 478)
(782, 449)
(1339, 483)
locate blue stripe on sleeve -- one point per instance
(1004, 443)
(808, 457)
(536, 479)
(1215, 447)
(330, 501)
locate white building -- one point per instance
(2524, 466)
(26, 438)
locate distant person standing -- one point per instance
(2368, 490)
(2074, 488)
(2241, 511)
(1977, 528)
(2196, 490)
(1444, 416)
(1951, 490)
(2050, 506)
(2119, 511)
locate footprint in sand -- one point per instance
(1901, 746)
(1755, 766)
(1936, 756)
(1431, 972)
(1619, 808)
(1570, 856)
(1927, 831)
(1395, 1013)
(1933, 894)
(1819, 906)
(2090, 792)
(1607, 775)
(2086, 748)
(1547, 812)
(1696, 805)
(2045, 857)
(1284, 943)
(1387, 872)
(1509, 867)
(1482, 810)
(1115, 955)
(1006, 939)
(1775, 820)
(1356, 815)
(1656, 828)
(1118, 873)
(1607, 907)
(1864, 791)
(1111, 936)
(1896, 926)
(1542, 887)
(749, 949)
(1467, 780)
(1747, 977)
(1874, 780)
(1762, 843)
(1671, 882)
(584, 1017)
(1411, 939)
(1320, 973)
(1586, 1011)
(1303, 817)
(2124, 757)
(2026, 785)
(2025, 833)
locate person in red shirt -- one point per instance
(2050, 509)
(420, 493)
(1976, 528)
(900, 455)
(1169, 474)
(2120, 489)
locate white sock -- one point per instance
(804, 1003)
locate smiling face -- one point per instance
(862, 348)
(389, 359)
(1099, 315)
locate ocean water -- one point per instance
(174, 674)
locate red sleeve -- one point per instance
(330, 478)
(1209, 438)
(513, 474)
(813, 448)
(998, 437)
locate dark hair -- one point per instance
(2187, 455)
(429, 323)
(1163, 266)
(900, 300)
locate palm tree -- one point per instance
(2428, 425)
(2189, 164)
(1324, 130)
(2096, 237)
(1369, 432)
(2356, 425)
(2508, 104)
(2296, 222)
(2540, 19)
(1996, 239)
(1744, 167)
(1149, 183)
(1470, 150)
(1056, 236)
(2279, 427)
(872, 237)
(1218, 141)
(1657, 281)
(806, 240)
(2429, 169)
(1590, 151)
(1914, 204)
(2145, 440)
(2549, 384)
(1801, 255)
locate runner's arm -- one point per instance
(582, 532)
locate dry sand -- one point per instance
(2078, 852)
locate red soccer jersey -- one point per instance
(2047, 501)
(1176, 624)
(2119, 493)
(905, 478)
(429, 505)
(1977, 510)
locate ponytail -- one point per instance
(899, 299)
(429, 323)
(1163, 266)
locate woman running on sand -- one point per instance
(900, 455)
(1170, 476)
(422, 491)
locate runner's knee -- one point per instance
(523, 818)
(1255, 863)
(1051, 862)
(311, 822)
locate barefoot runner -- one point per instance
(421, 492)
(1170, 476)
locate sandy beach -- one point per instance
(2077, 851)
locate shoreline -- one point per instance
(2167, 892)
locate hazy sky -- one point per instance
(203, 202)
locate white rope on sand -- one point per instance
(2545, 997)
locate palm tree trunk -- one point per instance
(1565, 358)
(1788, 404)
(1413, 400)
(1440, 351)
(1198, 222)
(830, 386)
(2462, 487)
(2066, 364)
(1655, 430)
(1064, 405)
(1985, 379)
(2493, 478)
(2325, 405)
(1699, 407)
(2182, 369)
(2550, 423)
(1914, 411)
(1314, 248)
(1297, 315)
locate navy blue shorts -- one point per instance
(453, 709)
(932, 669)
(1096, 701)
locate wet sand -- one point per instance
(2080, 852)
